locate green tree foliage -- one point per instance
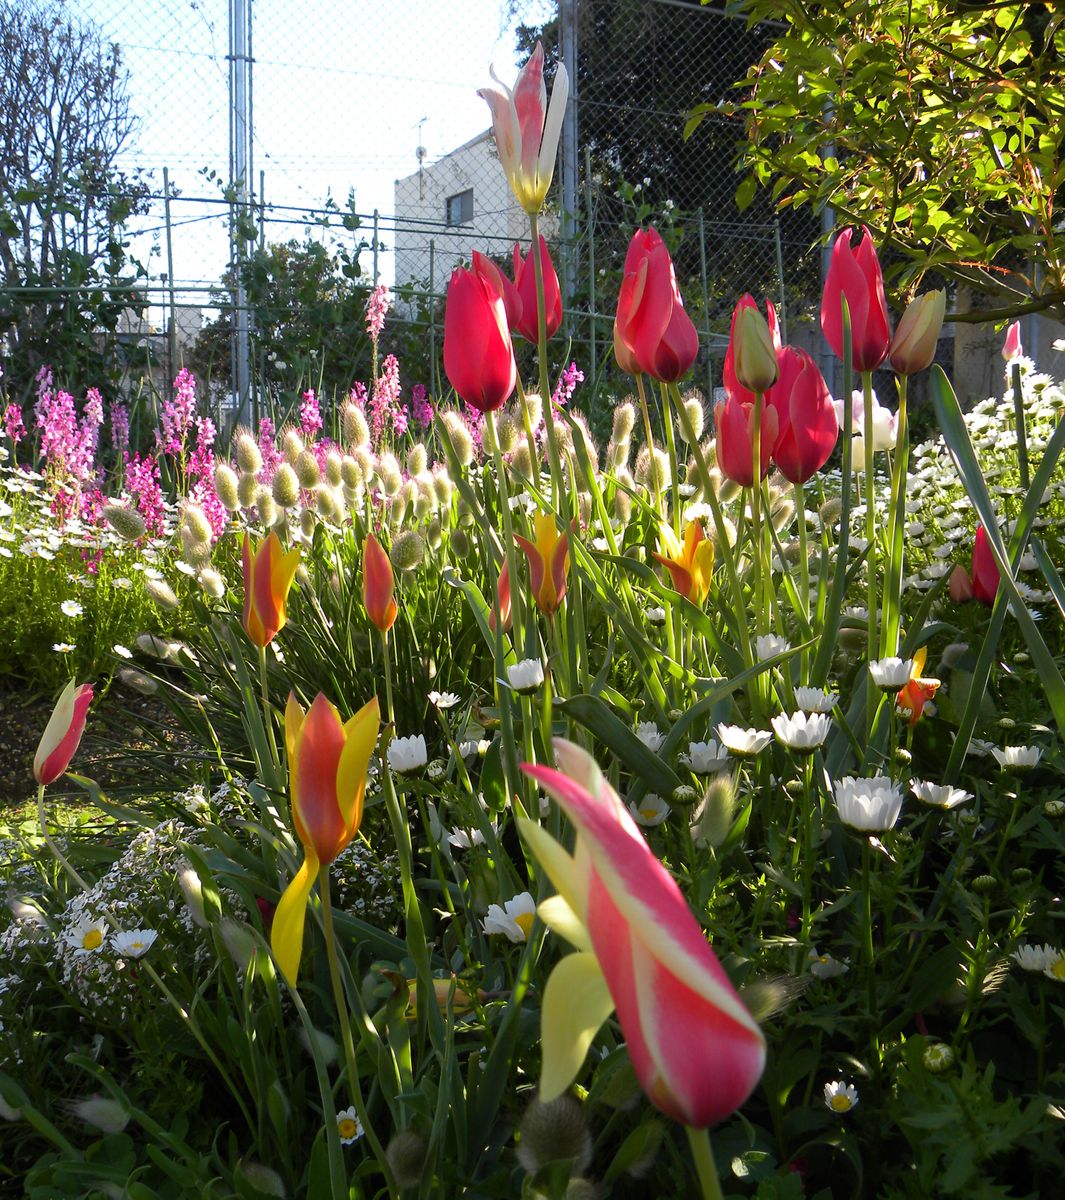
(64, 200)
(936, 122)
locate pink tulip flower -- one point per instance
(856, 274)
(525, 286)
(986, 575)
(807, 428)
(734, 421)
(695, 1048)
(731, 383)
(478, 352)
(1011, 346)
(61, 736)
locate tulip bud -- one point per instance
(226, 486)
(355, 427)
(126, 522)
(960, 586)
(914, 345)
(61, 736)
(378, 585)
(291, 446)
(249, 456)
(407, 1153)
(553, 1132)
(285, 487)
(247, 489)
(755, 356)
(1011, 346)
(307, 471)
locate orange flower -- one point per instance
(690, 565)
(548, 561)
(327, 765)
(268, 575)
(916, 693)
(378, 585)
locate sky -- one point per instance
(343, 95)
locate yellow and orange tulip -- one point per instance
(548, 562)
(327, 764)
(268, 575)
(378, 585)
(916, 693)
(690, 564)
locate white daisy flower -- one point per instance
(133, 943)
(768, 645)
(87, 936)
(656, 616)
(407, 754)
(744, 743)
(1017, 758)
(871, 805)
(840, 1097)
(526, 676)
(939, 795)
(464, 839)
(706, 758)
(890, 674)
(1035, 958)
(648, 733)
(122, 651)
(814, 700)
(349, 1126)
(824, 966)
(443, 700)
(514, 918)
(63, 647)
(71, 608)
(802, 732)
(652, 810)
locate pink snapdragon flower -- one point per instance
(376, 311)
(420, 406)
(13, 426)
(310, 416)
(177, 415)
(567, 384)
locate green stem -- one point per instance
(760, 612)
(264, 693)
(59, 857)
(545, 383)
(699, 1141)
(870, 553)
(652, 466)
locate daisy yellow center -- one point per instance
(841, 1102)
(648, 814)
(92, 940)
(138, 945)
(347, 1127)
(1057, 968)
(524, 922)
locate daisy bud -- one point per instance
(984, 885)
(212, 583)
(161, 592)
(693, 406)
(333, 475)
(126, 522)
(552, 1132)
(266, 507)
(408, 551)
(291, 446)
(247, 489)
(306, 467)
(624, 421)
(249, 456)
(226, 487)
(286, 486)
(356, 429)
(938, 1057)
(713, 817)
(460, 437)
(195, 520)
(407, 1153)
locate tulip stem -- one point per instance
(889, 632)
(652, 466)
(264, 689)
(761, 624)
(541, 360)
(706, 1168)
(59, 856)
(344, 1017)
(870, 550)
(674, 470)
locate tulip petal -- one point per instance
(314, 796)
(563, 869)
(556, 114)
(286, 932)
(576, 1003)
(560, 918)
(62, 734)
(360, 738)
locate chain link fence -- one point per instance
(334, 147)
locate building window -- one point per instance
(459, 208)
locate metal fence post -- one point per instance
(706, 308)
(589, 235)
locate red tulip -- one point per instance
(735, 432)
(986, 574)
(503, 597)
(378, 585)
(525, 286)
(61, 736)
(807, 428)
(695, 1048)
(652, 332)
(856, 274)
(732, 385)
(502, 286)
(478, 353)
(960, 585)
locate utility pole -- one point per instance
(240, 167)
(567, 11)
